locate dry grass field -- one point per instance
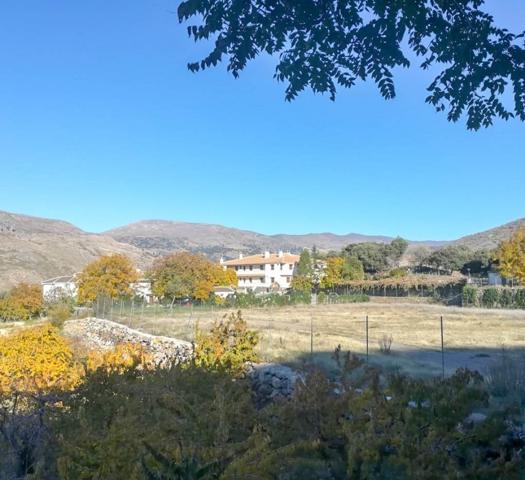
(472, 337)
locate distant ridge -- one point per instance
(33, 248)
(161, 236)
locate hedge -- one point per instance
(493, 297)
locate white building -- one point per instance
(264, 272)
(223, 292)
(142, 289)
(59, 287)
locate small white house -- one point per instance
(267, 271)
(59, 287)
(142, 289)
(223, 292)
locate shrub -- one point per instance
(519, 298)
(490, 297)
(228, 346)
(37, 360)
(122, 358)
(470, 295)
(506, 297)
(58, 313)
(385, 344)
(506, 377)
(397, 273)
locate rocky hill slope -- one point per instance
(490, 239)
(32, 249)
(160, 237)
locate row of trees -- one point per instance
(351, 264)
(177, 276)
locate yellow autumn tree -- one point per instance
(333, 273)
(511, 256)
(184, 274)
(109, 276)
(37, 360)
(22, 302)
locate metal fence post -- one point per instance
(442, 350)
(366, 327)
(312, 339)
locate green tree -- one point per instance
(304, 266)
(184, 274)
(451, 258)
(373, 256)
(352, 269)
(396, 249)
(325, 45)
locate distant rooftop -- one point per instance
(263, 258)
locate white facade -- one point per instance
(142, 289)
(265, 272)
(59, 287)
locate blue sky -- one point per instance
(101, 124)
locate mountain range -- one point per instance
(33, 248)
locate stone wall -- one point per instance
(270, 381)
(97, 333)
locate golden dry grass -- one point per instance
(415, 328)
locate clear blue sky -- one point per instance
(101, 124)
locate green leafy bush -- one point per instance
(490, 297)
(470, 295)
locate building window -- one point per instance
(251, 267)
(272, 266)
(273, 279)
(251, 279)
(291, 266)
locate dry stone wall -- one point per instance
(104, 334)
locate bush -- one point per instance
(506, 297)
(397, 273)
(490, 297)
(385, 344)
(37, 360)
(58, 313)
(228, 346)
(470, 295)
(519, 298)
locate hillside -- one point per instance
(490, 239)
(160, 237)
(32, 249)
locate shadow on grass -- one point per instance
(421, 363)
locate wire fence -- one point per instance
(421, 339)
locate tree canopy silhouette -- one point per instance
(325, 44)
